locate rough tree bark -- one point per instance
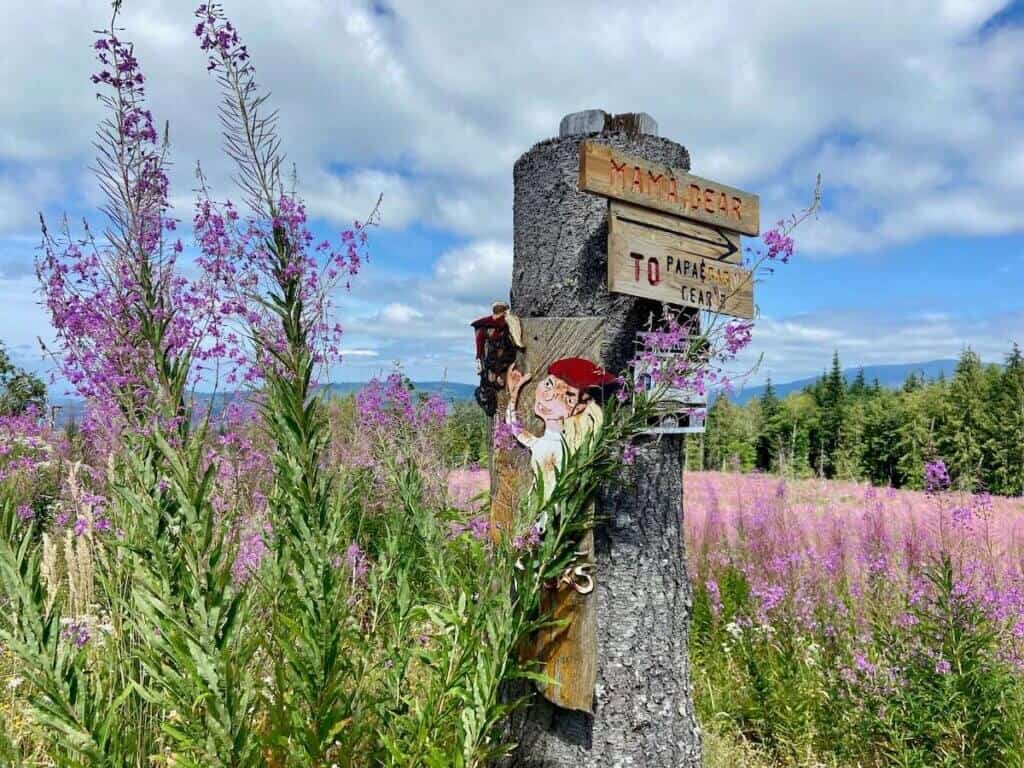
(643, 714)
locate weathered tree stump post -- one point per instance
(643, 709)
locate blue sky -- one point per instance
(912, 112)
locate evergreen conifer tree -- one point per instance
(1006, 427)
(963, 442)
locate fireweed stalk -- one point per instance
(284, 281)
(128, 325)
(129, 329)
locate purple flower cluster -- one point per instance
(629, 453)
(125, 319)
(780, 245)
(528, 542)
(271, 252)
(389, 405)
(936, 476)
(479, 528)
(220, 39)
(505, 436)
(123, 315)
(357, 562)
(27, 444)
(826, 559)
(76, 632)
(252, 548)
(240, 266)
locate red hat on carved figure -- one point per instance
(580, 373)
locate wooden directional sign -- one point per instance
(676, 265)
(701, 240)
(605, 171)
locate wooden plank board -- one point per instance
(568, 654)
(546, 339)
(668, 267)
(702, 240)
(608, 172)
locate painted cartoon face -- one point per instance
(555, 400)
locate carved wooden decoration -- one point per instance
(497, 339)
(609, 172)
(569, 653)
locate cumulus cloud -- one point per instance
(910, 110)
(899, 105)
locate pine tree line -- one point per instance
(834, 429)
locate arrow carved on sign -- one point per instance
(711, 235)
(677, 261)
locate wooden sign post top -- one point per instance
(608, 172)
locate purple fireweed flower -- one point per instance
(943, 667)
(906, 620)
(714, 595)
(529, 541)
(505, 437)
(76, 632)
(26, 513)
(251, 550)
(629, 454)
(479, 527)
(936, 476)
(737, 336)
(860, 661)
(358, 563)
(961, 516)
(780, 246)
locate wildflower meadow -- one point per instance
(836, 623)
(222, 564)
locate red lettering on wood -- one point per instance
(653, 271)
(654, 183)
(693, 197)
(709, 200)
(637, 257)
(673, 190)
(617, 171)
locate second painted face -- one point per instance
(554, 400)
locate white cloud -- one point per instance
(480, 272)
(452, 93)
(346, 352)
(23, 194)
(910, 110)
(399, 313)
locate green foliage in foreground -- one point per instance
(311, 661)
(927, 690)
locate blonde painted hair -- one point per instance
(575, 429)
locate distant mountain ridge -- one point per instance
(889, 376)
(73, 408)
(451, 390)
